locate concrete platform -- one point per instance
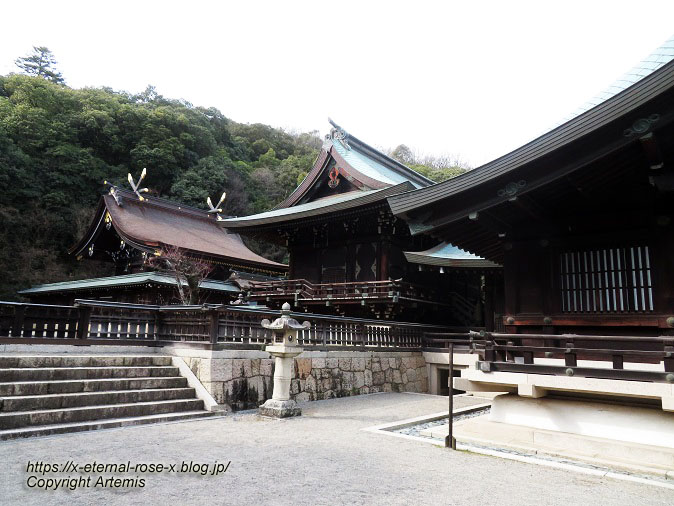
(629, 423)
(632, 457)
(635, 438)
(540, 385)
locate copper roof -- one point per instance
(447, 255)
(321, 208)
(358, 161)
(154, 222)
(124, 280)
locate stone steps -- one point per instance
(41, 394)
(73, 400)
(18, 419)
(45, 361)
(63, 373)
(88, 385)
(48, 430)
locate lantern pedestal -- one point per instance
(280, 409)
(284, 350)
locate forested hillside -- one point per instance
(58, 145)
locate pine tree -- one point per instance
(40, 63)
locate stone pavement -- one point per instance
(322, 457)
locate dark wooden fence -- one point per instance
(303, 291)
(95, 322)
(589, 356)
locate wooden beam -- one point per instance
(651, 148)
(527, 204)
(490, 223)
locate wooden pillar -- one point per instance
(489, 301)
(383, 260)
(291, 263)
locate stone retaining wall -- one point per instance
(243, 379)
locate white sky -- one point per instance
(474, 79)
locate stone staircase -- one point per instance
(42, 395)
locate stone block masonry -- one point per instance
(243, 379)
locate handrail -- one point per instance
(97, 321)
(205, 324)
(305, 291)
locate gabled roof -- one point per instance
(140, 278)
(619, 107)
(152, 223)
(448, 255)
(362, 165)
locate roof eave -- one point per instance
(599, 116)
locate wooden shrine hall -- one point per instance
(581, 218)
(349, 255)
(128, 230)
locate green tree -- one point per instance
(40, 63)
(58, 144)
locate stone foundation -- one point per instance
(243, 379)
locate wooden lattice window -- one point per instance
(612, 280)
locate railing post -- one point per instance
(570, 358)
(450, 441)
(617, 361)
(158, 321)
(360, 334)
(17, 326)
(489, 352)
(83, 322)
(214, 327)
(320, 327)
(395, 334)
(669, 358)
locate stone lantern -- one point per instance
(284, 349)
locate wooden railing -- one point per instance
(302, 291)
(649, 358)
(98, 321)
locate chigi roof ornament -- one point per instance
(337, 133)
(216, 209)
(113, 192)
(136, 186)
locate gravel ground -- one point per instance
(320, 458)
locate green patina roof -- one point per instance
(340, 202)
(447, 255)
(139, 278)
(371, 167)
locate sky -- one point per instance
(474, 80)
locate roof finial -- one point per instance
(216, 209)
(136, 186)
(337, 133)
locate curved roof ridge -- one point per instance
(412, 175)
